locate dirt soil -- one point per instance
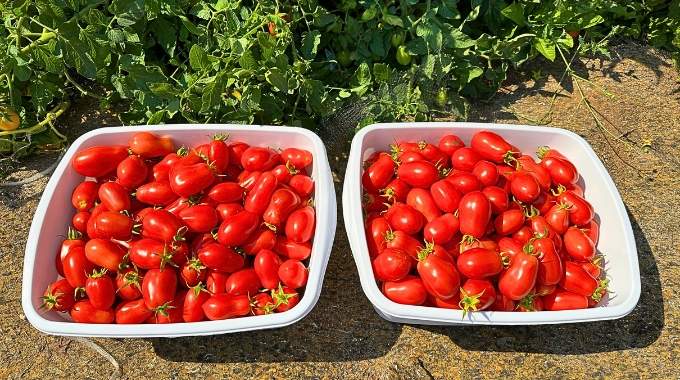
(344, 338)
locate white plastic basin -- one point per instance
(54, 214)
(616, 235)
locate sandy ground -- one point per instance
(344, 338)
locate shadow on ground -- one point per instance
(639, 329)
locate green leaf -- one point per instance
(393, 20)
(370, 13)
(277, 79)
(361, 80)
(381, 72)
(198, 59)
(432, 35)
(474, 72)
(515, 12)
(310, 44)
(460, 40)
(212, 94)
(592, 21)
(156, 118)
(546, 47)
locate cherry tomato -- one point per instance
(498, 199)
(266, 266)
(113, 225)
(422, 201)
(464, 159)
(163, 225)
(530, 303)
(450, 143)
(578, 244)
(284, 173)
(403, 217)
(84, 312)
(59, 296)
(187, 180)
(503, 303)
(580, 211)
(474, 214)
(160, 170)
(564, 300)
(509, 247)
(490, 146)
(261, 239)
(391, 265)
(293, 250)
(149, 145)
(199, 218)
(544, 202)
(228, 210)
(85, 195)
(150, 253)
(216, 281)
(170, 312)
(238, 229)
(524, 187)
(156, 193)
(403, 241)
(193, 272)
(259, 159)
(258, 198)
(508, 222)
(442, 229)
(592, 229)
(479, 263)
(98, 161)
(402, 55)
(376, 229)
(218, 257)
(104, 253)
(128, 286)
(219, 154)
(476, 295)
(192, 310)
(262, 304)
(299, 158)
(396, 191)
(131, 172)
(562, 172)
(445, 196)
(558, 218)
(420, 174)
(226, 192)
(283, 202)
(302, 184)
(464, 182)
(517, 281)
(486, 172)
(79, 221)
(132, 312)
(550, 268)
(73, 240)
(578, 280)
(539, 172)
(244, 281)
(293, 274)
(300, 225)
(439, 276)
(100, 291)
(407, 291)
(410, 157)
(378, 174)
(225, 306)
(114, 196)
(285, 298)
(159, 287)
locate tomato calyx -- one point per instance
(505, 259)
(51, 299)
(162, 309)
(526, 303)
(270, 226)
(531, 211)
(390, 236)
(179, 236)
(98, 273)
(195, 264)
(509, 158)
(389, 194)
(281, 297)
(220, 137)
(73, 234)
(541, 151)
(560, 189)
(132, 278)
(601, 290)
(425, 251)
(292, 170)
(466, 239)
(468, 302)
(268, 308)
(198, 289)
(182, 151)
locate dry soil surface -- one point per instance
(344, 338)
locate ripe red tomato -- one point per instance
(159, 287)
(433, 154)
(79, 221)
(474, 213)
(524, 187)
(577, 280)
(132, 312)
(410, 156)
(73, 239)
(114, 197)
(187, 180)
(445, 195)
(216, 281)
(285, 298)
(226, 192)
(149, 145)
(527, 163)
(550, 268)
(59, 296)
(192, 309)
(391, 265)
(283, 202)
(219, 154)
(85, 195)
(442, 229)
(160, 170)
(464, 159)
(266, 266)
(580, 211)
(100, 291)
(558, 218)
(104, 253)
(244, 281)
(523, 235)
(300, 225)
(163, 225)
(544, 202)
(302, 184)
(564, 300)
(420, 174)
(479, 263)
(84, 312)
(98, 161)
(238, 229)
(264, 238)
(228, 210)
(592, 229)
(562, 172)
(113, 225)
(439, 276)
(450, 143)
(508, 222)
(150, 253)
(464, 182)
(293, 250)
(509, 247)
(193, 272)
(225, 306)
(128, 285)
(378, 174)
(293, 274)
(578, 244)
(262, 304)
(477, 295)
(170, 312)
(498, 199)
(218, 257)
(486, 172)
(503, 303)
(258, 198)
(396, 191)
(132, 172)
(156, 193)
(259, 159)
(376, 230)
(236, 150)
(407, 291)
(403, 217)
(299, 158)
(199, 218)
(531, 302)
(517, 281)
(422, 201)
(403, 241)
(490, 146)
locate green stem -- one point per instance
(78, 87)
(44, 38)
(52, 115)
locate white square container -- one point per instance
(616, 235)
(54, 213)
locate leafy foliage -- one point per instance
(290, 62)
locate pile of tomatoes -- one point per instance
(480, 227)
(219, 231)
